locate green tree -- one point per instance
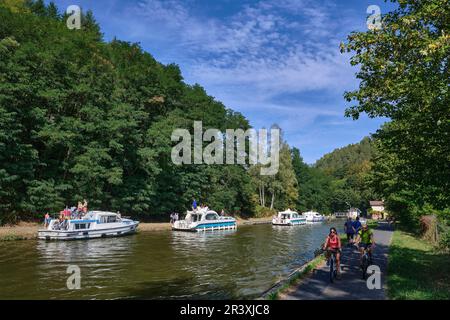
(404, 73)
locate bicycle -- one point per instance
(365, 262)
(332, 263)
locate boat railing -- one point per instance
(226, 218)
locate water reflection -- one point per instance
(232, 264)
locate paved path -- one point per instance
(351, 285)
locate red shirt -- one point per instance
(334, 242)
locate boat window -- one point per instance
(79, 226)
(211, 216)
(112, 219)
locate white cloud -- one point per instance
(248, 58)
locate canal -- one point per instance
(239, 264)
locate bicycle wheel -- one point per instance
(365, 265)
(331, 269)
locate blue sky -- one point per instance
(275, 61)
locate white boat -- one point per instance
(312, 216)
(95, 224)
(204, 220)
(288, 218)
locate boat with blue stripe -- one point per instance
(204, 220)
(95, 224)
(288, 218)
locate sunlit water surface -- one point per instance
(238, 264)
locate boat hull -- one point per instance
(89, 233)
(315, 220)
(289, 223)
(206, 226)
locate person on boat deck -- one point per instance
(333, 245)
(46, 220)
(73, 212)
(85, 206)
(222, 213)
(67, 213)
(194, 205)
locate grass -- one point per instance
(416, 269)
(372, 224)
(12, 237)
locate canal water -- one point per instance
(239, 264)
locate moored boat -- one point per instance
(312, 216)
(288, 218)
(95, 224)
(204, 220)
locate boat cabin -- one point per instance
(199, 216)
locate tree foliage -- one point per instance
(85, 119)
(404, 73)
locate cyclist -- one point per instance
(365, 240)
(333, 245)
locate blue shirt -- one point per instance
(194, 204)
(357, 225)
(348, 227)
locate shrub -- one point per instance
(429, 228)
(261, 212)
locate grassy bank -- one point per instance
(416, 270)
(21, 231)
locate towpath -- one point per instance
(351, 286)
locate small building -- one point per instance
(342, 214)
(377, 207)
(353, 213)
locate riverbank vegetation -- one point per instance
(416, 269)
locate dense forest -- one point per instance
(85, 119)
(82, 118)
(337, 181)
